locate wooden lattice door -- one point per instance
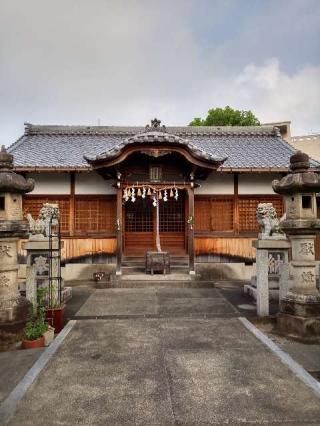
(139, 227)
(172, 225)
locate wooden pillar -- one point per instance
(236, 218)
(119, 231)
(191, 231)
(72, 203)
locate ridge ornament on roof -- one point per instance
(155, 125)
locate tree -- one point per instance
(227, 117)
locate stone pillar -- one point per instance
(265, 282)
(262, 282)
(272, 250)
(13, 307)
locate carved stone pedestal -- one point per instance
(13, 307)
(300, 316)
(271, 253)
(37, 274)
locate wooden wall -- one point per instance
(74, 248)
(225, 224)
(239, 247)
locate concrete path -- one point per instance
(13, 366)
(164, 357)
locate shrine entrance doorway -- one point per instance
(140, 226)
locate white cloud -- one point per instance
(275, 95)
(127, 61)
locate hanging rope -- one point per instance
(131, 192)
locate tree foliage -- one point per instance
(226, 117)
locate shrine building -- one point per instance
(197, 188)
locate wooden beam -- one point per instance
(119, 230)
(236, 217)
(191, 230)
(72, 203)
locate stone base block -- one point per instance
(300, 305)
(251, 291)
(302, 328)
(273, 281)
(14, 312)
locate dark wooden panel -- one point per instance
(173, 242)
(214, 214)
(137, 243)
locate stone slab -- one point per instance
(272, 244)
(120, 302)
(155, 301)
(308, 355)
(161, 372)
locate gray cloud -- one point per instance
(123, 62)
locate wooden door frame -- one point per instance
(190, 194)
(189, 230)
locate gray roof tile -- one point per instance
(65, 146)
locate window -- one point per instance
(306, 201)
(95, 214)
(2, 203)
(155, 173)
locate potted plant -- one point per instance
(55, 308)
(36, 326)
(54, 316)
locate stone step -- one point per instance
(141, 276)
(141, 270)
(161, 283)
(142, 263)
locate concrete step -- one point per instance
(141, 276)
(159, 280)
(162, 283)
(142, 263)
(127, 270)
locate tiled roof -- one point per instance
(66, 146)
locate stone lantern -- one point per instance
(13, 307)
(300, 308)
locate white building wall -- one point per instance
(257, 183)
(93, 183)
(50, 183)
(216, 184)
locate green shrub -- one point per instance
(34, 329)
(37, 326)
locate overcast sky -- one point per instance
(125, 61)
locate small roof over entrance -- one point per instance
(156, 142)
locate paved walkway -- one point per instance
(164, 357)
